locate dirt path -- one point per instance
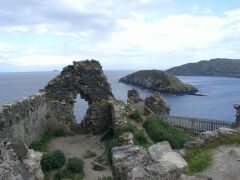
(76, 146)
(226, 164)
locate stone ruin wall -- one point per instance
(87, 79)
(23, 120)
(53, 107)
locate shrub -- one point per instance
(136, 116)
(66, 174)
(105, 178)
(159, 130)
(41, 145)
(53, 160)
(75, 165)
(89, 154)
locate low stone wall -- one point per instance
(24, 120)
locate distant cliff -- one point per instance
(213, 67)
(160, 81)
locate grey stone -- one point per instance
(19, 148)
(159, 162)
(126, 138)
(208, 136)
(226, 131)
(157, 105)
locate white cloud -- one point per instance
(14, 29)
(173, 33)
(118, 32)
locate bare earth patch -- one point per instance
(226, 164)
(76, 146)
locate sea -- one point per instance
(221, 93)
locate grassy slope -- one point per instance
(199, 159)
(161, 131)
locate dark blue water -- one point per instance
(221, 93)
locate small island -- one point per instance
(213, 67)
(156, 80)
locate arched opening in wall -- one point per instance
(80, 108)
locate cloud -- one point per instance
(116, 32)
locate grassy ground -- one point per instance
(159, 130)
(41, 144)
(199, 159)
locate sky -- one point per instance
(38, 35)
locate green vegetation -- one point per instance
(136, 116)
(159, 130)
(66, 174)
(139, 137)
(89, 154)
(98, 167)
(52, 160)
(200, 158)
(105, 178)
(41, 145)
(75, 165)
(111, 143)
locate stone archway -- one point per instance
(87, 79)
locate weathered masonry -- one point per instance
(87, 79)
(24, 120)
(27, 119)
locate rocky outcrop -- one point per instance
(10, 166)
(160, 81)
(210, 136)
(237, 107)
(19, 163)
(157, 105)
(159, 162)
(32, 163)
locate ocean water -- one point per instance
(221, 93)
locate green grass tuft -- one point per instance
(159, 130)
(136, 116)
(89, 154)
